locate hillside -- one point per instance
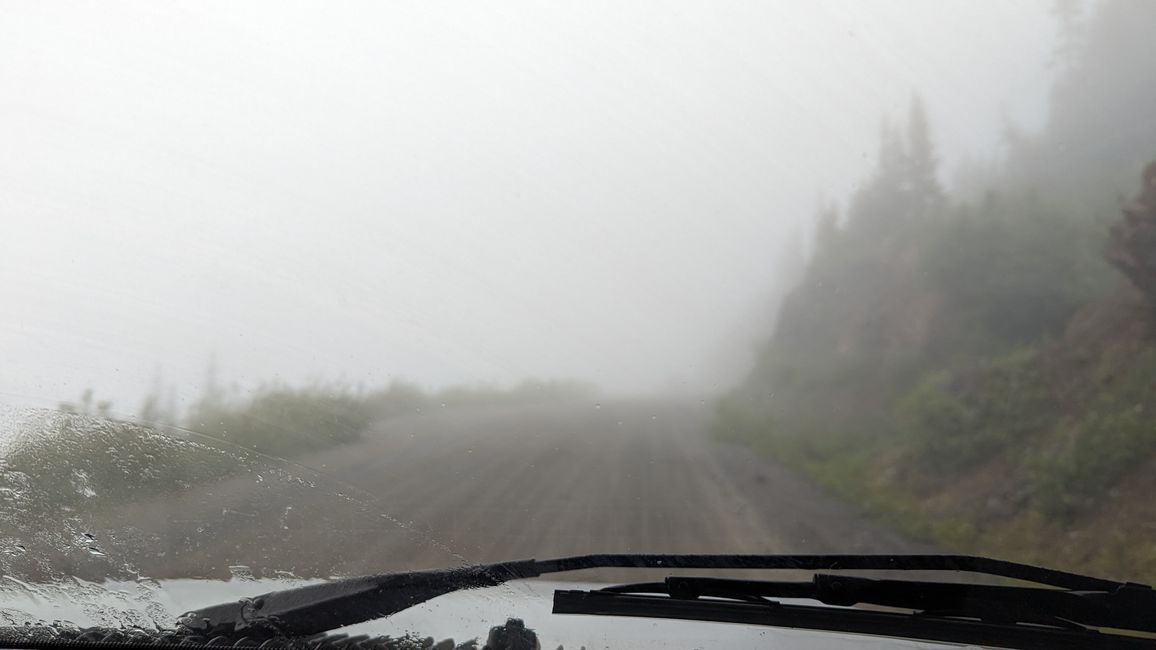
(981, 370)
(986, 437)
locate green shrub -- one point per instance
(283, 421)
(1114, 433)
(959, 419)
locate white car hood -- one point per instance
(461, 616)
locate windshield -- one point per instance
(297, 292)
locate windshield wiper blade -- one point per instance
(846, 620)
(1129, 606)
(313, 609)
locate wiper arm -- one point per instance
(309, 610)
(854, 621)
(304, 611)
(1129, 606)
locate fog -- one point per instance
(450, 192)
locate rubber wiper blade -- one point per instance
(1128, 607)
(847, 620)
(313, 609)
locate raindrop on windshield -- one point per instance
(241, 572)
(287, 518)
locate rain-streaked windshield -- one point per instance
(297, 291)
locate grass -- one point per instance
(1115, 433)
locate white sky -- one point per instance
(441, 191)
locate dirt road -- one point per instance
(498, 484)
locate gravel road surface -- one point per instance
(497, 484)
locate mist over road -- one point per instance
(507, 483)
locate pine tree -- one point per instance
(877, 208)
(921, 163)
(905, 186)
(826, 229)
(1068, 14)
(792, 262)
(152, 411)
(892, 155)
